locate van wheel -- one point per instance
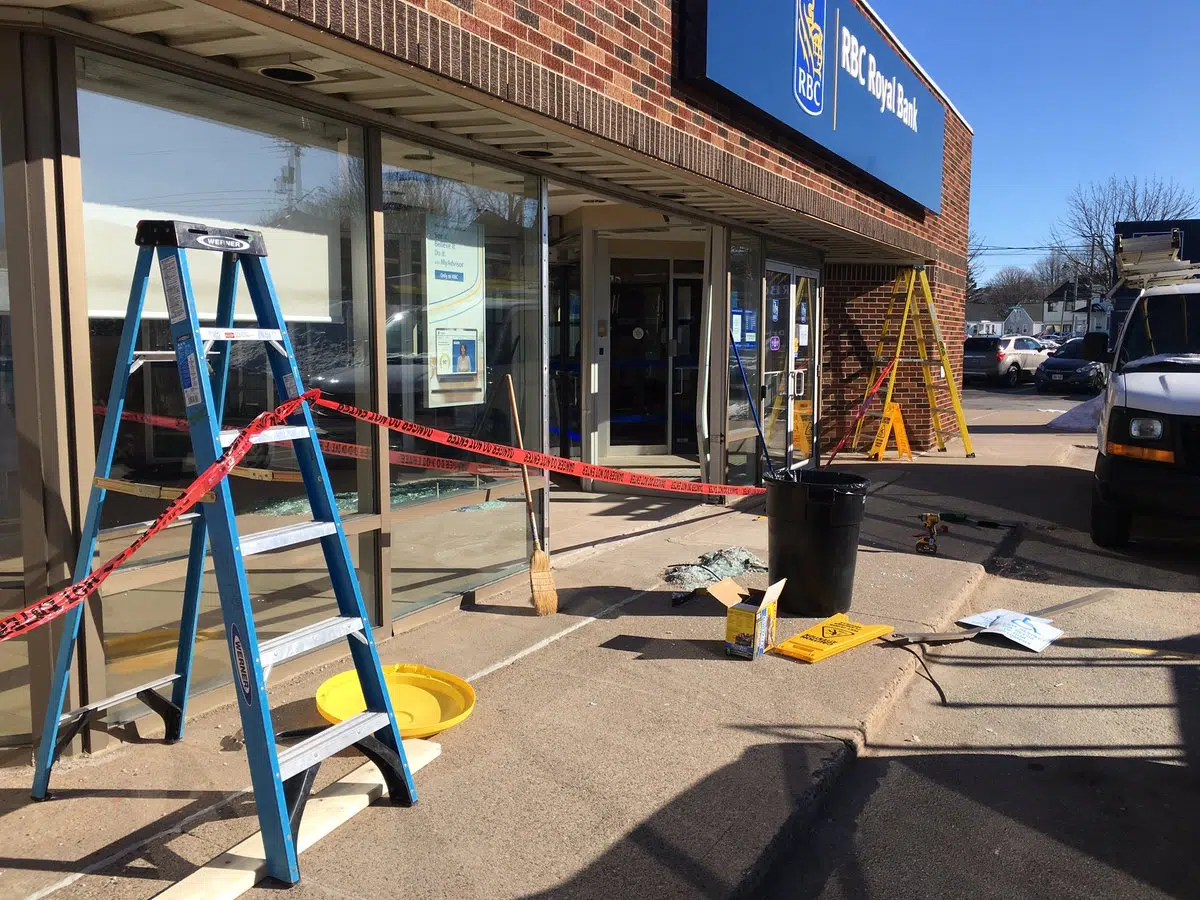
(1012, 377)
(1110, 524)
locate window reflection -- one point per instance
(221, 158)
(462, 262)
(745, 301)
(14, 654)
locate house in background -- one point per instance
(980, 321)
(1072, 309)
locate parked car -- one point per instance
(1009, 359)
(1068, 369)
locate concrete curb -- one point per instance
(908, 672)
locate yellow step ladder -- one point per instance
(912, 301)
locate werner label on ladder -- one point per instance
(281, 779)
(911, 303)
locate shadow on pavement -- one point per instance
(982, 826)
(704, 843)
(1049, 508)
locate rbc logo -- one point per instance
(810, 55)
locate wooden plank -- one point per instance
(238, 869)
(148, 491)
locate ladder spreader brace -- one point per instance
(912, 302)
(281, 779)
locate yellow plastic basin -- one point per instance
(425, 700)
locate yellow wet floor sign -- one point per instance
(893, 423)
(835, 634)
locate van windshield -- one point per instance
(1163, 332)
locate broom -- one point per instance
(541, 582)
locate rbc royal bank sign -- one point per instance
(820, 68)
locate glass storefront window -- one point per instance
(14, 654)
(745, 302)
(462, 245)
(156, 146)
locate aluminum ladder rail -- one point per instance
(281, 779)
(911, 302)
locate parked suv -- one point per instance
(1007, 359)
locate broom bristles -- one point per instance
(541, 584)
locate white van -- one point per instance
(1149, 433)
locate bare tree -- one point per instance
(1053, 269)
(1084, 234)
(1010, 287)
(975, 242)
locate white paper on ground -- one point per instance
(1028, 631)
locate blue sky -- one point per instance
(1059, 92)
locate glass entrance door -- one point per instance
(639, 370)
(804, 367)
(685, 362)
(790, 361)
(565, 384)
(777, 365)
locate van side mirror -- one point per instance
(1095, 346)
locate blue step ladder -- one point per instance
(281, 778)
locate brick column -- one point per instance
(856, 298)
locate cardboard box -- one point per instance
(749, 616)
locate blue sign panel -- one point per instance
(821, 68)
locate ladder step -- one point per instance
(240, 334)
(115, 699)
(154, 356)
(287, 536)
(139, 527)
(326, 743)
(270, 436)
(319, 634)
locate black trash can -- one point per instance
(813, 519)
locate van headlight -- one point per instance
(1146, 429)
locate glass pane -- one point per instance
(638, 369)
(565, 387)
(685, 364)
(804, 368)
(220, 158)
(777, 362)
(745, 304)
(14, 654)
(462, 249)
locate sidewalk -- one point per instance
(614, 749)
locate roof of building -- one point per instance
(1061, 292)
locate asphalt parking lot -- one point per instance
(978, 395)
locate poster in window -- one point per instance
(455, 319)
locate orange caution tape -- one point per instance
(56, 604)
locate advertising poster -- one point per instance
(455, 318)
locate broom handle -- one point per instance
(512, 405)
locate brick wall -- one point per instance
(856, 300)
